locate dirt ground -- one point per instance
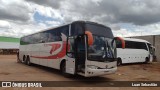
(10, 70)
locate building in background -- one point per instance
(9, 45)
(155, 41)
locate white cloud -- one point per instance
(47, 11)
(51, 3)
(53, 23)
(19, 30)
(4, 24)
(16, 16)
(152, 29)
(16, 10)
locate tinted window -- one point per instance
(142, 45)
(25, 40)
(22, 41)
(65, 30)
(99, 30)
(132, 45)
(129, 44)
(46, 36)
(35, 38)
(52, 35)
(77, 28)
(135, 45)
(55, 34)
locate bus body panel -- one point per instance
(94, 68)
(35, 52)
(132, 55)
(136, 50)
(46, 51)
(47, 54)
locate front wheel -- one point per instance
(147, 60)
(119, 62)
(63, 69)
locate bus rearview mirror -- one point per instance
(90, 37)
(122, 41)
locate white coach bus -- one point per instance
(81, 47)
(136, 50)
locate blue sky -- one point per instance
(42, 19)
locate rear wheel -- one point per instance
(24, 59)
(28, 61)
(119, 62)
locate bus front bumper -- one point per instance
(98, 72)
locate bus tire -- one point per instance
(28, 61)
(24, 59)
(119, 62)
(63, 68)
(147, 60)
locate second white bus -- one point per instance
(136, 50)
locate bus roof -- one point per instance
(65, 25)
(135, 39)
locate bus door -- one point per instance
(70, 61)
(80, 53)
(75, 54)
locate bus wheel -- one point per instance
(28, 61)
(147, 60)
(119, 62)
(63, 69)
(24, 59)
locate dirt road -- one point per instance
(10, 70)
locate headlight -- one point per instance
(92, 66)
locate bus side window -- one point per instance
(140, 45)
(71, 44)
(50, 38)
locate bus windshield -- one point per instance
(102, 48)
(99, 30)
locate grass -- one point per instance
(9, 39)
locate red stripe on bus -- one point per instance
(54, 47)
(61, 54)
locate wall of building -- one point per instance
(9, 45)
(8, 51)
(154, 40)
